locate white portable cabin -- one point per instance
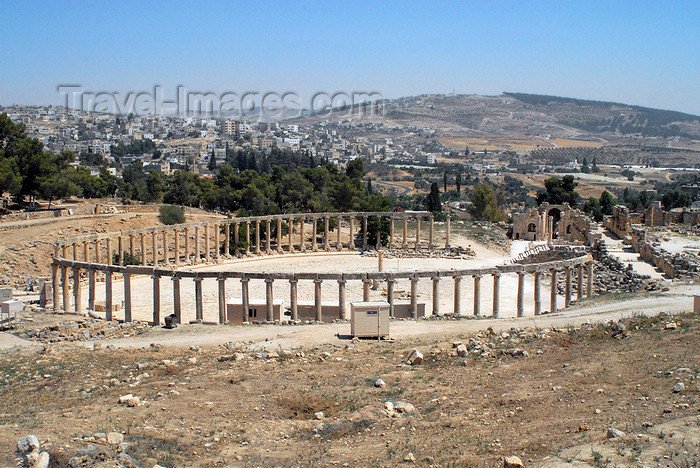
(369, 319)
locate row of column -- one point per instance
(116, 248)
(63, 282)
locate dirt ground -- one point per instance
(535, 393)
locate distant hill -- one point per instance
(603, 116)
(515, 114)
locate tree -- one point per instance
(212, 161)
(433, 203)
(444, 181)
(676, 199)
(585, 168)
(559, 191)
(595, 167)
(355, 169)
(606, 203)
(485, 204)
(458, 182)
(466, 151)
(592, 209)
(57, 186)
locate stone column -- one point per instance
(314, 234)
(131, 246)
(496, 295)
(477, 295)
(364, 233)
(317, 299)
(54, 286)
(457, 305)
(86, 251)
(279, 235)
(567, 286)
(521, 294)
(245, 298)
(404, 243)
(414, 297)
(589, 279)
(108, 295)
(207, 243)
(268, 233)
(257, 236)
(390, 295)
(326, 245)
(97, 251)
(221, 282)
(177, 307)
(339, 244)
(166, 257)
(290, 230)
(293, 299)
(187, 244)
(63, 251)
(579, 282)
(366, 283)
(351, 242)
(236, 240)
(341, 298)
(91, 289)
(143, 249)
(380, 261)
(302, 241)
(430, 232)
(156, 299)
(417, 232)
(269, 301)
(196, 256)
(65, 289)
(120, 246)
(447, 232)
(127, 297)
(176, 233)
(553, 292)
(391, 232)
(247, 237)
(227, 240)
(154, 242)
(436, 295)
(217, 242)
(110, 260)
(77, 296)
(198, 303)
(538, 294)
(75, 250)
(379, 233)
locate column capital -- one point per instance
(198, 279)
(293, 280)
(269, 280)
(245, 279)
(342, 281)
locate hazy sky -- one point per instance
(635, 52)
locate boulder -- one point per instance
(512, 462)
(415, 358)
(114, 438)
(678, 387)
(614, 433)
(404, 407)
(28, 443)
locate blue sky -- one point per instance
(636, 52)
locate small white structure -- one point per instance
(8, 312)
(369, 319)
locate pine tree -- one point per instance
(458, 182)
(433, 201)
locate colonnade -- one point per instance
(65, 270)
(205, 242)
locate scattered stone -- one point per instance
(614, 433)
(619, 330)
(461, 350)
(409, 458)
(42, 460)
(379, 383)
(415, 358)
(671, 326)
(404, 407)
(512, 462)
(319, 416)
(114, 438)
(28, 443)
(678, 387)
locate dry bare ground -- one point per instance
(534, 393)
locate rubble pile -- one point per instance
(611, 275)
(452, 252)
(84, 330)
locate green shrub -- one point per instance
(171, 214)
